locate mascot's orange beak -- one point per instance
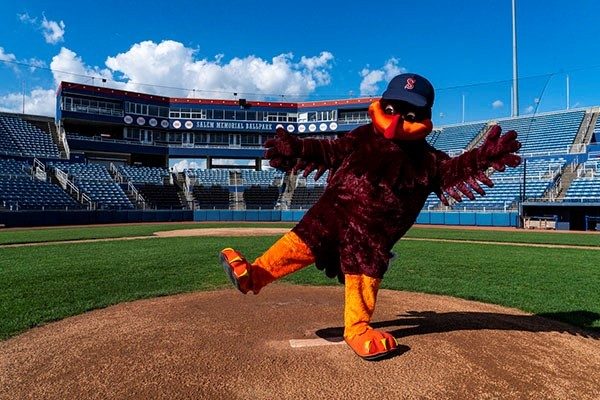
(396, 127)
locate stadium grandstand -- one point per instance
(110, 155)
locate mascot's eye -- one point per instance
(410, 117)
(389, 109)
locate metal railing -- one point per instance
(73, 190)
(39, 170)
(136, 194)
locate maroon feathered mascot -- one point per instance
(380, 176)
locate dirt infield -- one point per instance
(223, 345)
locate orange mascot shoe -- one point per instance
(360, 297)
(287, 255)
(237, 269)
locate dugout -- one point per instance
(568, 216)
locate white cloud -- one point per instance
(497, 104)
(35, 63)
(9, 59)
(68, 66)
(25, 17)
(6, 56)
(54, 32)
(529, 109)
(38, 102)
(369, 86)
(163, 67)
(172, 65)
(185, 164)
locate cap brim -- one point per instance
(411, 98)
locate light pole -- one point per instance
(568, 93)
(515, 102)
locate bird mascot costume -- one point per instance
(380, 176)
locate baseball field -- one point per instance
(69, 275)
(145, 311)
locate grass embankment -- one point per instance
(47, 283)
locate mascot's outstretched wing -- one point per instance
(461, 174)
(287, 152)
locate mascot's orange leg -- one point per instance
(287, 255)
(360, 298)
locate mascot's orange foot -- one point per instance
(237, 269)
(372, 344)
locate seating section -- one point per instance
(309, 181)
(162, 197)
(261, 188)
(508, 185)
(545, 133)
(95, 181)
(209, 177)
(269, 177)
(586, 187)
(261, 197)
(145, 175)
(432, 202)
(454, 138)
(9, 166)
(19, 137)
(20, 191)
(211, 197)
(305, 197)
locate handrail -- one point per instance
(87, 199)
(137, 195)
(71, 188)
(39, 170)
(62, 138)
(116, 173)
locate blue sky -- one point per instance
(304, 50)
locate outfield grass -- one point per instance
(47, 283)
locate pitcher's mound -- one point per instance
(223, 345)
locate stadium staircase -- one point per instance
(134, 196)
(478, 139)
(62, 179)
(236, 198)
(586, 130)
(558, 190)
(60, 138)
(289, 183)
(182, 180)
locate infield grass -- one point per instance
(40, 284)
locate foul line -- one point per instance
(548, 246)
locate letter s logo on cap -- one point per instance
(410, 84)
